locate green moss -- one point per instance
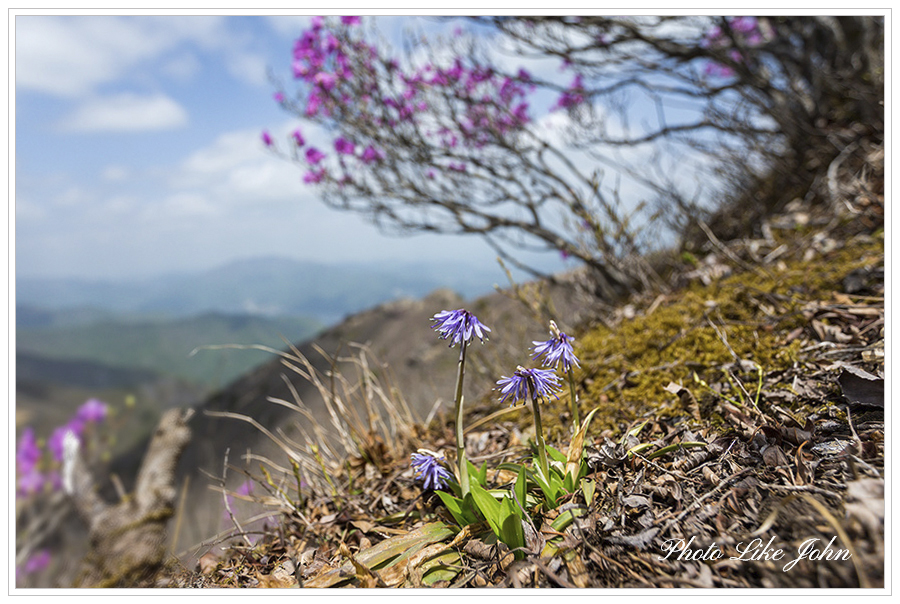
(626, 368)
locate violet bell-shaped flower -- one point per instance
(429, 469)
(556, 350)
(458, 326)
(528, 385)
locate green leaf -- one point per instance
(443, 567)
(638, 448)
(521, 489)
(511, 532)
(388, 552)
(550, 490)
(461, 512)
(488, 506)
(566, 518)
(588, 487)
(555, 454)
(477, 475)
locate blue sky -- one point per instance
(138, 151)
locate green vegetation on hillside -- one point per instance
(165, 346)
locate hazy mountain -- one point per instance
(262, 286)
(161, 346)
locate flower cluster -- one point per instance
(458, 326)
(344, 77)
(430, 469)
(573, 96)
(31, 479)
(745, 31)
(528, 385)
(556, 350)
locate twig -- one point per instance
(731, 255)
(228, 504)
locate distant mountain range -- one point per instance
(263, 286)
(142, 348)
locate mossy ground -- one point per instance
(704, 331)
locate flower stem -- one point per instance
(460, 439)
(573, 398)
(539, 438)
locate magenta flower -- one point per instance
(314, 156)
(55, 443)
(371, 155)
(429, 469)
(312, 105)
(30, 482)
(325, 80)
(350, 20)
(92, 411)
(459, 326)
(267, 138)
(316, 23)
(313, 177)
(37, 562)
(28, 454)
(298, 137)
(279, 97)
(528, 385)
(343, 146)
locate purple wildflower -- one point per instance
(30, 482)
(37, 562)
(429, 469)
(556, 349)
(279, 97)
(528, 384)
(55, 443)
(459, 326)
(267, 138)
(350, 20)
(28, 453)
(92, 410)
(298, 137)
(314, 156)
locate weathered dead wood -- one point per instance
(128, 538)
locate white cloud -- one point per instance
(115, 173)
(250, 68)
(71, 56)
(237, 171)
(183, 67)
(182, 205)
(126, 113)
(288, 25)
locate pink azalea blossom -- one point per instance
(313, 177)
(314, 156)
(344, 147)
(371, 155)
